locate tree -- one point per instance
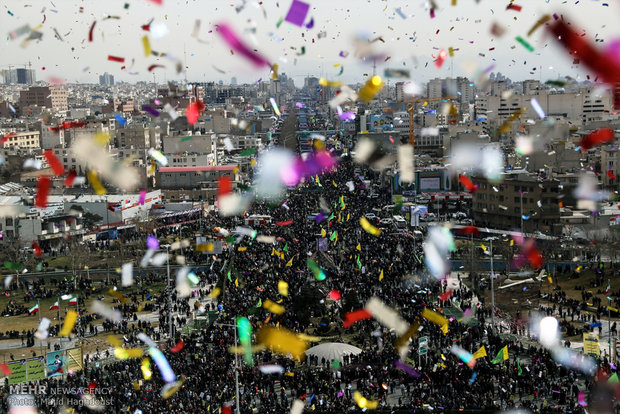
(90, 219)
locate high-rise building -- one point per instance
(21, 76)
(51, 97)
(233, 81)
(106, 79)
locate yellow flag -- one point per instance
(348, 216)
(323, 233)
(512, 243)
(359, 247)
(339, 217)
(334, 183)
(289, 263)
(237, 282)
(550, 280)
(482, 352)
(273, 251)
(381, 275)
(483, 247)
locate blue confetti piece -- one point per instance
(120, 119)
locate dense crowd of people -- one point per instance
(358, 266)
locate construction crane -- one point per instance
(410, 109)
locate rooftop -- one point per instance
(198, 169)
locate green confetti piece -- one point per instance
(186, 138)
(524, 43)
(280, 21)
(316, 270)
(397, 207)
(11, 265)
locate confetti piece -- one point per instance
(107, 312)
(244, 328)
(54, 163)
(371, 89)
(235, 43)
(116, 59)
(297, 13)
(273, 307)
(539, 23)
(150, 110)
(282, 341)
(386, 316)
(178, 347)
(441, 58)
(162, 363)
(369, 228)
(405, 163)
(5, 369)
(524, 43)
(514, 7)
(274, 105)
(437, 319)
(90, 32)
(597, 138)
(152, 67)
(364, 403)
(467, 183)
(537, 108)
(69, 323)
(193, 111)
(43, 187)
(120, 120)
(95, 183)
(412, 372)
(158, 156)
(127, 274)
(146, 45)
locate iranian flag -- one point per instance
(54, 306)
(73, 300)
(608, 287)
(34, 309)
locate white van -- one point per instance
(400, 222)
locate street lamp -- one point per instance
(490, 240)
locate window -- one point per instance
(517, 199)
(9, 221)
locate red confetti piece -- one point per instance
(357, 315)
(37, 249)
(467, 183)
(224, 185)
(116, 59)
(469, 230)
(611, 176)
(334, 294)
(7, 136)
(445, 295)
(68, 125)
(235, 43)
(177, 347)
(284, 223)
(513, 7)
(43, 188)
(193, 111)
(155, 66)
(441, 58)
(605, 66)
(57, 167)
(70, 178)
(534, 257)
(596, 138)
(90, 32)
(158, 2)
(5, 369)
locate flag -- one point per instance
(501, 356)
(519, 371)
(323, 233)
(482, 352)
(359, 247)
(54, 306)
(381, 276)
(73, 300)
(34, 309)
(608, 287)
(286, 247)
(333, 236)
(359, 264)
(289, 263)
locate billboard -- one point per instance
(55, 363)
(429, 180)
(74, 360)
(590, 344)
(26, 370)
(381, 123)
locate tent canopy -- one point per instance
(333, 351)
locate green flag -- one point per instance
(333, 236)
(286, 247)
(359, 264)
(229, 279)
(519, 370)
(501, 356)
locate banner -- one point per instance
(55, 363)
(26, 370)
(590, 344)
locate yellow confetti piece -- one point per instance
(146, 45)
(370, 89)
(170, 389)
(118, 296)
(451, 51)
(136, 385)
(95, 183)
(114, 341)
(283, 288)
(146, 369)
(362, 402)
(123, 353)
(273, 307)
(369, 228)
(282, 341)
(216, 292)
(330, 84)
(437, 319)
(69, 323)
(101, 138)
(242, 249)
(549, 279)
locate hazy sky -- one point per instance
(465, 27)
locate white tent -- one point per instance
(332, 351)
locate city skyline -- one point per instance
(451, 27)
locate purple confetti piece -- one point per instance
(347, 116)
(142, 197)
(297, 13)
(152, 243)
(320, 217)
(237, 45)
(150, 110)
(343, 54)
(401, 365)
(310, 24)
